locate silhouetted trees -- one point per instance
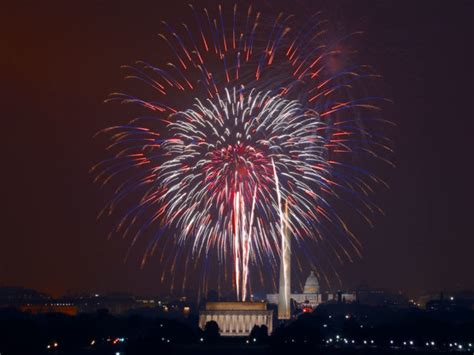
(259, 334)
(304, 330)
(211, 332)
(25, 333)
(100, 333)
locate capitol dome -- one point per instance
(312, 284)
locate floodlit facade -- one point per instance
(310, 297)
(236, 318)
(284, 295)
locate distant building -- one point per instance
(32, 301)
(380, 297)
(311, 296)
(115, 303)
(342, 297)
(15, 296)
(236, 318)
(453, 301)
(64, 308)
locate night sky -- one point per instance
(61, 59)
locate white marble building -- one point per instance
(311, 295)
(236, 318)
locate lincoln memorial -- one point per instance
(236, 318)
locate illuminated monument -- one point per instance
(284, 295)
(236, 318)
(310, 298)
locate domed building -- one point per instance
(311, 296)
(312, 284)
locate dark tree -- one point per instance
(211, 331)
(259, 334)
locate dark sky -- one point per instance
(60, 60)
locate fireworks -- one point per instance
(250, 115)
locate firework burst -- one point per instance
(251, 113)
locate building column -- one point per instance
(224, 324)
(236, 322)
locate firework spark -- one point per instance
(250, 114)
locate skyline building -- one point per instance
(236, 318)
(311, 296)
